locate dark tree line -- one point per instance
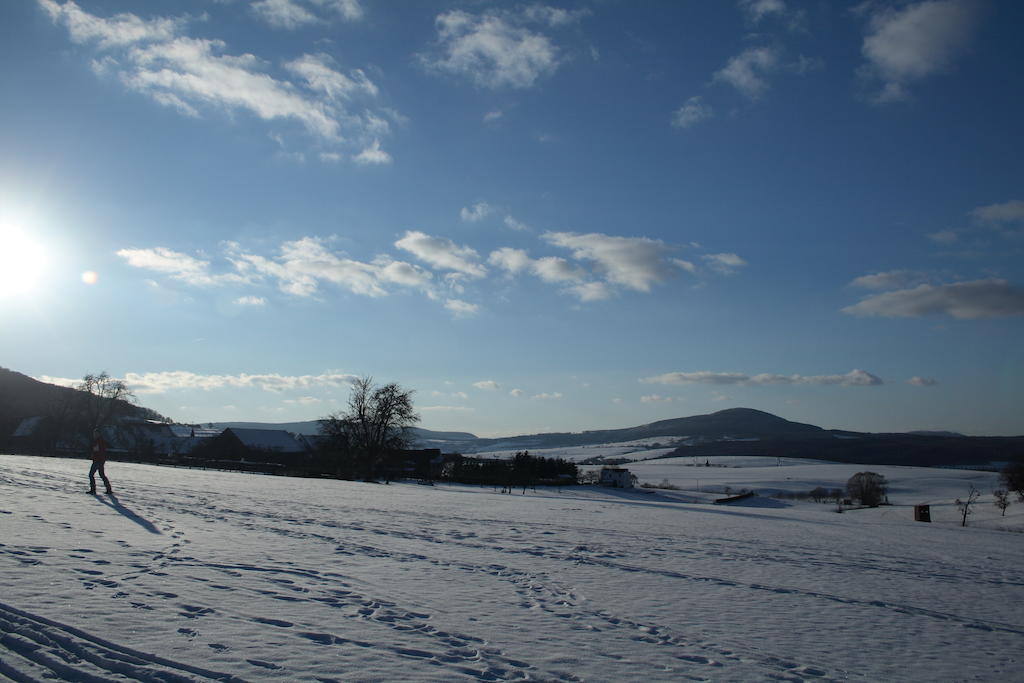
(521, 471)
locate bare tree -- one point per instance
(379, 419)
(104, 399)
(867, 487)
(1002, 499)
(964, 505)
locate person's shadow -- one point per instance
(130, 514)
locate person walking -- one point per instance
(99, 459)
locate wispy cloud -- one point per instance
(892, 279)
(692, 112)
(461, 309)
(194, 75)
(1006, 212)
(292, 14)
(177, 265)
(498, 49)
(852, 378)
(475, 213)
(748, 71)
(513, 224)
(442, 253)
(725, 263)
(633, 262)
(251, 301)
(989, 298)
(757, 10)
(554, 396)
(487, 385)
(655, 398)
(909, 43)
(922, 381)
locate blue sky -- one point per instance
(537, 216)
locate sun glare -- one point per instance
(23, 262)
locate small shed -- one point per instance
(616, 477)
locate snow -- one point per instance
(639, 449)
(205, 575)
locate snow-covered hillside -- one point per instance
(198, 575)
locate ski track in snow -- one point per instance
(246, 587)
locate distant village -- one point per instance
(284, 453)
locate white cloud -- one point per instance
(305, 262)
(725, 263)
(591, 291)
(373, 155)
(350, 10)
(746, 71)
(292, 14)
(922, 381)
(177, 265)
(892, 279)
(304, 401)
(513, 224)
(120, 30)
(554, 16)
(633, 262)
(487, 385)
(191, 75)
(477, 212)
(547, 397)
(161, 382)
(990, 298)
(445, 409)
(517, 393)
(321, 75)
(59, 381)
(442, 253)
(512, 260)
(655, 398)
(555, 269)
(406, 274)
(756, 10)
(492, 116)
(852, 378)
(912, 42)
(493, 50)
(461, 309)
(944, 236)
(692, 112)
(251, 301)
(283, 13)
(1007, 212)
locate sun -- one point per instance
(23, 262)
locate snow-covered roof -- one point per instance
(187, 431)
(267, 440)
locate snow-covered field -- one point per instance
(197, 575)
(641, 449)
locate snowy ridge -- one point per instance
(271, 578)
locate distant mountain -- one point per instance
(736, 431)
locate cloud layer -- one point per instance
(196, 75)
(852, 378)
(989, 298)
(909, 43)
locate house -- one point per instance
(616, 477)
(276, 441)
